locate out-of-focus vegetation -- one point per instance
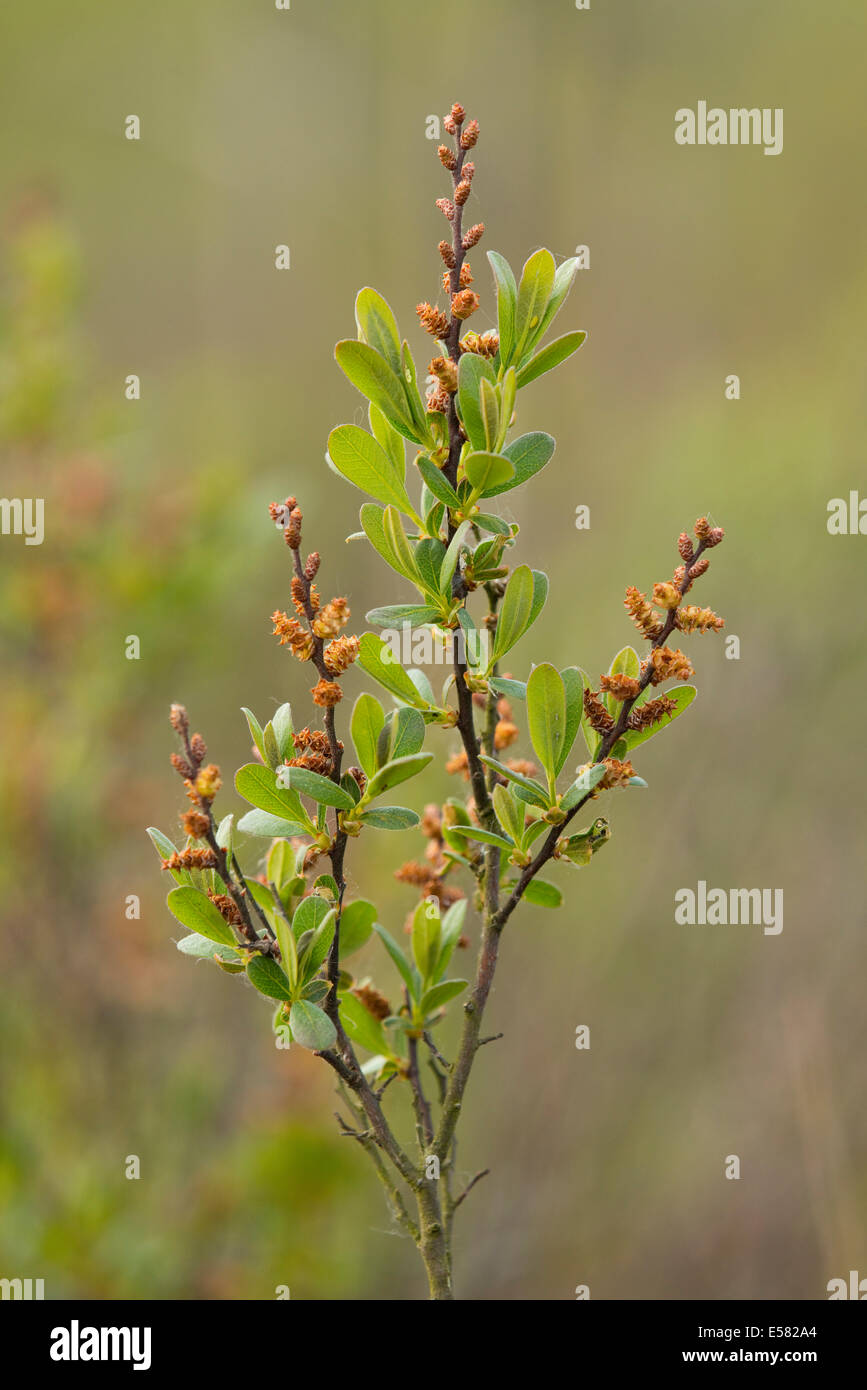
(308, 127)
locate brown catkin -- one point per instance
(196, 824)
(340, 654)
(374, 1002)
(597, 714)
(447, 254)
(447, 156)
(620, 686)
(642, 614)
(684, 545)
(433, 320)
(464, 303)
(326, 693)
(667, 664)
(692, 619)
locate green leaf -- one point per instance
(435, 480)
(515, 690)
(319, 789)
(541, 893)
(377, 326)
(395, 536)
(485, 837)
(515, 612)
(495, 524)
(197, 945)
(563, 280)
(388, 672)
(397, 771)
(316, 953)
(195, 911)
(372, 375)
(550, 357)
(280, 864)
(413, 398)
(368, 718)
(540, 593)
(360, 459)
(546, 715)
(422, 684)
(441, 994)
(450, 559)
(574, 687)
(508, 390)
(528, 453)
(407, 733)
(490, 411)
(536, 793)
(391, 441)
(265, 975)
(683, 697)
(356, 926)
(507, 299)
(310, 913)
(404, 969)
(586, 782)
(429, 555)
(361, 1026)
(282, 724)
(272, 750)
(349, 784)
(509, 812)
(372, 518)
(258, 785)
(400, 614)
(390, 818)
(316, 990)
(262, 823)
(311, 1027)
(472, 370)
(475, 648)
(262, 896)
(161, 843)
(487, 472)
(534, 292)
(450, 934)
(325, 885)
(535, 829)
(388, 539)
(255, 727)
(426, 936)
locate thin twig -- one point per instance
(469, 1187)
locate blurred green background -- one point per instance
(307, 127)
